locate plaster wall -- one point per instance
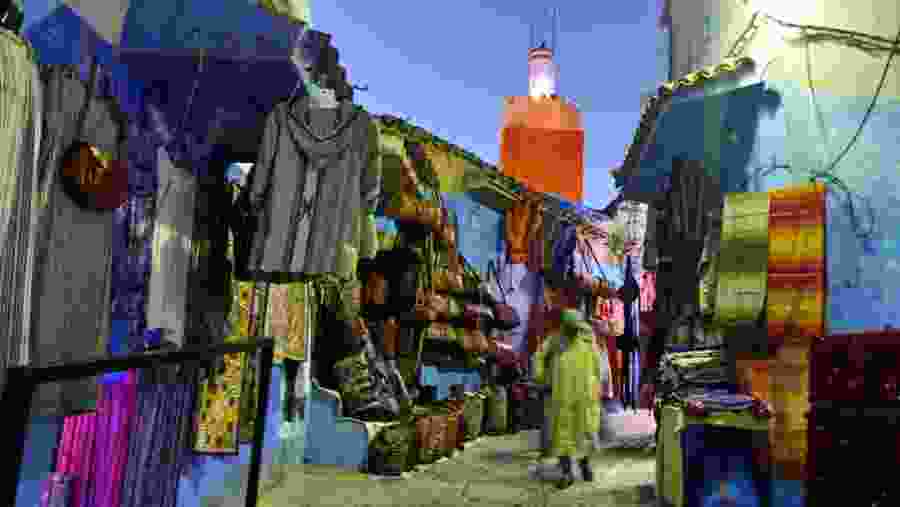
(823, 90)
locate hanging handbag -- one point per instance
(407, 206)
(424, 310)
(92, 178)
(392, 451)
(441, 331)
(475, 315)
(449, 279)
(466, 339)
(473, 341)
(505, 316)
(454, 437)
(431, 436)
(502, 351)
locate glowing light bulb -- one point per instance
(542, 86)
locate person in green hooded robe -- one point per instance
(572, 364)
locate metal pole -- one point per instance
(259, 426)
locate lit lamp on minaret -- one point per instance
(541, 138)
(541, 73)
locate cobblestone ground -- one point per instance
(492, 471)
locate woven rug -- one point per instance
(743, 258)
(796, 280)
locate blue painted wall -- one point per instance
(40, 447)
(766, 136)
(218, 480)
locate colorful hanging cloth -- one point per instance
(94, 446)
(159, 453)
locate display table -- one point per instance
(681, 458)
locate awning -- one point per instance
(62, 29)
(719, 130)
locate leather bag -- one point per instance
(93, 179)
(505, 316)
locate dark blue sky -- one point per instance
(448, 65)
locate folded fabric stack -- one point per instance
(720, 400)
(683, 374)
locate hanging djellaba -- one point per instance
(627, 342)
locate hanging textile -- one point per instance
(94, 447)
(134, 222)
(632, 217)
(159, 452)
(523, 222)
(20, 135)
(324, 197)
(449, 169)
(648, 290)
(289, 304)
(172, 250)
(115, 414)
(479, 231)
(74, 248)
(796, 274)
(58, 491)
(627, 343)
(224, 414)
(75, 454)
(743, 259)
(217, 428)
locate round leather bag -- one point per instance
(93, 179)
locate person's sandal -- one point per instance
(568, 478)
(586, 472)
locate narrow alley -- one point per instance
(492, 471)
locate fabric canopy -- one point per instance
(238, 28)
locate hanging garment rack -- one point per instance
(22, 382)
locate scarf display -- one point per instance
(743, 259)
(796, 274)
(685, 372)
(58, 492)
(159, 452)
(20, 105)
(627, 343)
(648, 290)
(94, 447)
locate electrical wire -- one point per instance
(851, 38)
(744, 35)
(862, 124)
(814, 102)
(828, 29)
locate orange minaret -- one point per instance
(541, 137)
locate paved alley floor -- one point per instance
(492, 471)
